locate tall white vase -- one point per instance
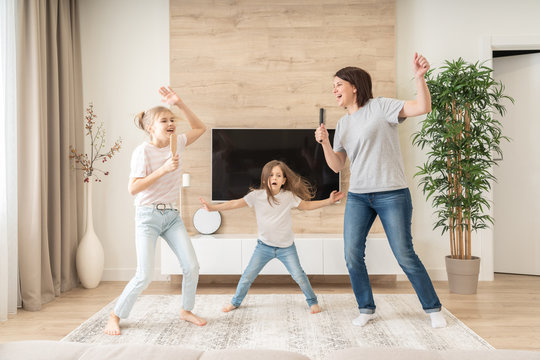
(90, 256)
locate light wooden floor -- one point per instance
(505, 312)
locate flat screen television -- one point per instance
(238, 156)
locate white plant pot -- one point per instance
(90, 257)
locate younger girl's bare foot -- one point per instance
(113, 325)
(228, 307)
(192, 318)
(315, 309)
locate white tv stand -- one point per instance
(320, 254)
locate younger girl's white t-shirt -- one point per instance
(274, 220)
(146, 159)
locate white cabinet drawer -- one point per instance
(216, 256)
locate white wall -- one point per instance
(125, 48)
(444, 30)
(125, 59)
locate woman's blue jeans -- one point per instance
(261, 256)
(395, 211)
(151, 223)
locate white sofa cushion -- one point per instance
(57, 350)
(139, 352)
(361, 353)
(42, 350)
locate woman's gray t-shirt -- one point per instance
(370, 139)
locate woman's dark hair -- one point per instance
(360, 79)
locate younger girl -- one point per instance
(155, 181)
(281, 190)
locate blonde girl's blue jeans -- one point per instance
(151, 223)
(261, 256)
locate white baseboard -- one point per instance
(125, 274)
(434, 274)
(441, 275)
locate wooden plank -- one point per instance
(261, 64)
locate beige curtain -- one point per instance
(50, 118)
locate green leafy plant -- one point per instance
(462, 136)
(86, 162)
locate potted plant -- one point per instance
(463, 137)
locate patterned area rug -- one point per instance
(281, 322)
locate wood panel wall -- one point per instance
(270, 64)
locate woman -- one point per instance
(368, 136)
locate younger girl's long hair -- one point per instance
(145, 119)
(294, 182)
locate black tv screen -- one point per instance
(238, 156)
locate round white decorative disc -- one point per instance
(206, 222)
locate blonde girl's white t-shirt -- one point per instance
(146, 159)
(274, 220)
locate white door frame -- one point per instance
(489, 44)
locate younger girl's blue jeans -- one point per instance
(151, 223)
(261, 256)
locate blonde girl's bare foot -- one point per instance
(192, 318)
(113, 325)
(315, 309)
(228, 307)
